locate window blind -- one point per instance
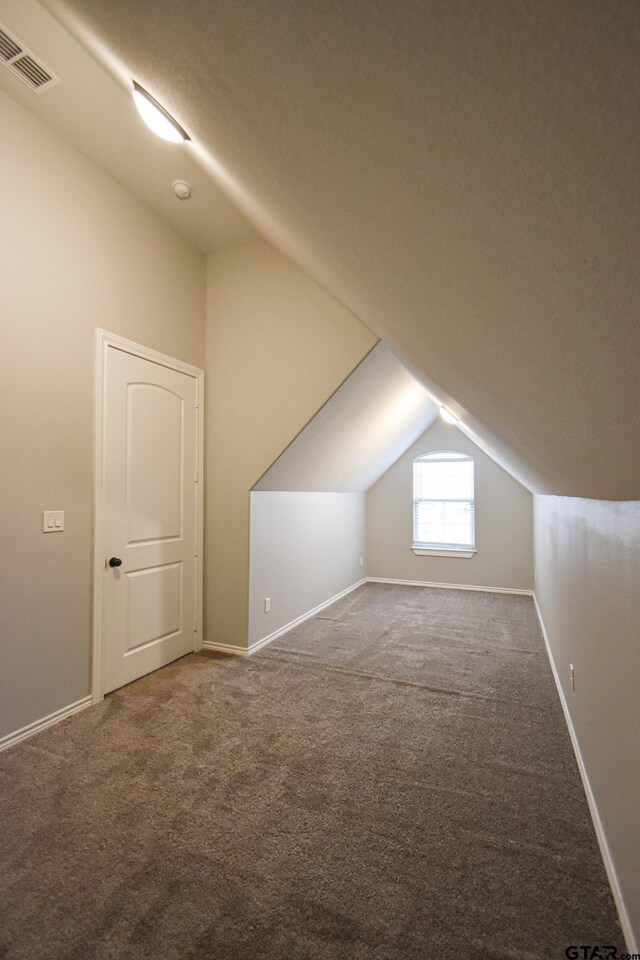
(443, 500)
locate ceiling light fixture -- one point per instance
(156, 117)
(447, 416)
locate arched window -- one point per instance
(444, 502)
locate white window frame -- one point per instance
(460, 550)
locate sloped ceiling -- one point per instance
(462, 174)
(359, 433)
(95, 113)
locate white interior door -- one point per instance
(150, 516)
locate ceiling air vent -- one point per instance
(23, 64)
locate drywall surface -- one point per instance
(93, 111)
(365, 426)
(463, 176)
(278, 346)
(504, 522)
(76, 253)
(305, 549)
(588, 590)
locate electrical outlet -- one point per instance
(572, 675)
(360, 561)
(267, 604)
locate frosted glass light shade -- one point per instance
(156, 117)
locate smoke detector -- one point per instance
(182, 189)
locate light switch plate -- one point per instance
(53, 521)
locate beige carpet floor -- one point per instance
(393, 779)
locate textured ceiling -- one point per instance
(462, 174)
(94, 111)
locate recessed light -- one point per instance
(156, 117)
(447, 416)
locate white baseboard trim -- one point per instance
(12, 738)
(247, 651)
(306, 616)
(625, 923)
(451, 586)
(227, 648)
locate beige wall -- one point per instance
(76, 253)
(305, 549)
(359, 433)
(277, 347)
(504, 523)
(463, 175)
(588, 590)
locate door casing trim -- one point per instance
(105, 341)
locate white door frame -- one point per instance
(105, 340)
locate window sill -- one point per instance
(443, 552)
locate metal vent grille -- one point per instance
(23, 64)
(31, 71)
(8, 47)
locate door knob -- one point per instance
(115, 562)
